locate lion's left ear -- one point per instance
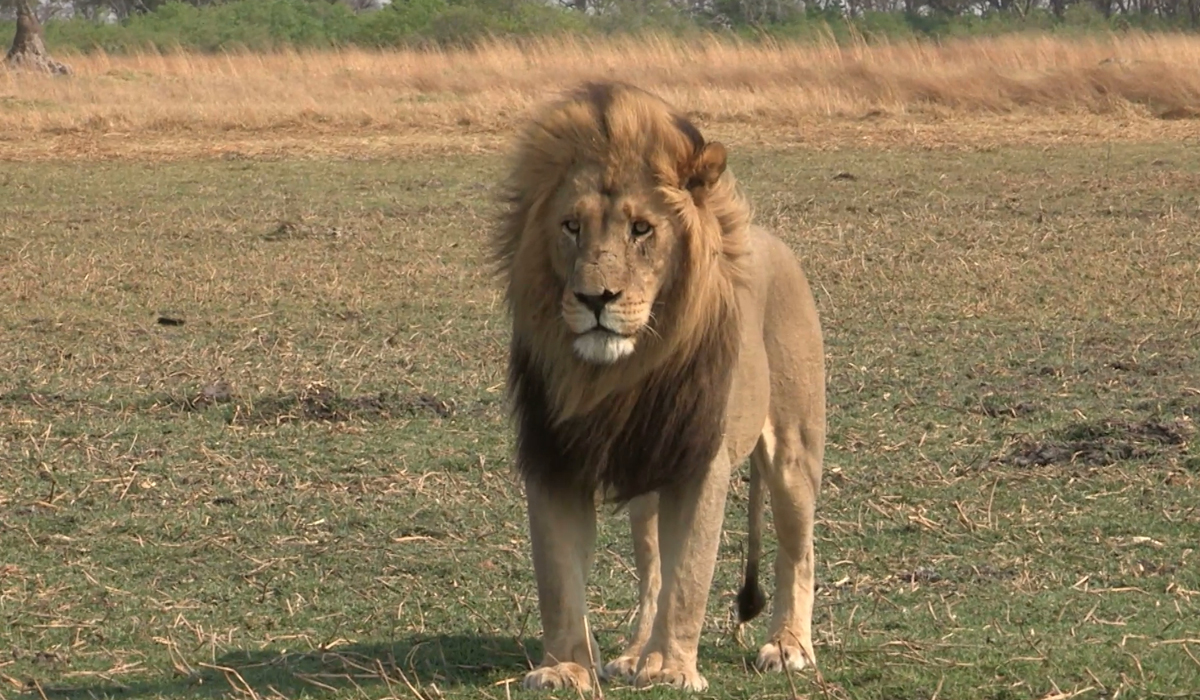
(705, 169)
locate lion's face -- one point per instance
(614, 239)
(617, 250)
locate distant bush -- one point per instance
(397, 24)
(263, 25)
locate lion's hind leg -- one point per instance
(789, 459)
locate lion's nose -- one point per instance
(597, 302)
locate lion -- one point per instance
(658, 339)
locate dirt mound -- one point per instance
(28, 50)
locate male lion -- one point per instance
(658, 338)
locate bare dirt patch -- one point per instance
(1104, 442)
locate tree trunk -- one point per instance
(28, 50)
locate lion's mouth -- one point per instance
(600, 331)
(606, 331)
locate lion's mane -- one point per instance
(656, 418)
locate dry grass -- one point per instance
(1128, 87)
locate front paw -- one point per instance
(666, 674)
(622, 668)
(558, 676)
(776, 657)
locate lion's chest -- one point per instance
(665, 435)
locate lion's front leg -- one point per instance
(643, 525)
(562, 528)
(689, 532)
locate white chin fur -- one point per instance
(602, 348)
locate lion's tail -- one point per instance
(751, 600)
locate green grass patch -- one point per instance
(253, 438)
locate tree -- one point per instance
(28, 48)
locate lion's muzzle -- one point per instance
(603, 325)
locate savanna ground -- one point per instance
(253, 438)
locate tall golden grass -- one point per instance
(478, 94)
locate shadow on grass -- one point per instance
(448, 660)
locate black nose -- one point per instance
(597, 302)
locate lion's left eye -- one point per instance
(641, 228)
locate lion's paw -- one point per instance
(564, 675)
(621, 668)
(683, 678)
(774, 657)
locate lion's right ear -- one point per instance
(706, 168)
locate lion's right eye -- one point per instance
(571, 227)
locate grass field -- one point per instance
(1019, 89)
(254, 444)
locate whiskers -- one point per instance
(649, 328)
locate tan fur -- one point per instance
(658, 339)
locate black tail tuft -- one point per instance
(750, 600)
